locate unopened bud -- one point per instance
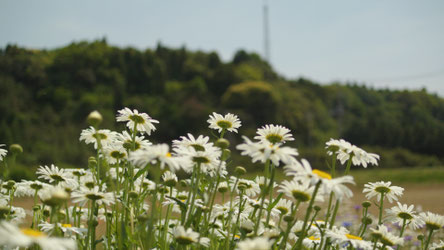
(367, 220)
(420, 237)
(15, 149)
(183, 183)
(239, 171)
(92, 161)
(94, 118)
(288, 218)
(133, 194)
(223, 187)
(366, 204)
(222, 143)
(317, 208)
(225, 154)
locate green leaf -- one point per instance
(141, 172)
(275, 202)
(182, 205)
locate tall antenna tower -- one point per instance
(266, 33)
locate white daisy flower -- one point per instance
(386, 237)
(125, 141)
(18, 214)
(437, 246)
(336, 185)
(142, 121)
(228, 122)
(91, 135)
(169, 178)
(345, 150)
(29, 188)
(258, 243)
(401, 212)
(283, 206)
(274, 134)
(303, 171)
(208, 161)
(377, 188)
(263, 151)
(56, 175)
(432, 221)
(261, 181)
(198, 144)
(84, 195)
(114, 153)
(155, 154)
(311, 242)
(68, 229)
(250, 188)
(298, 190)
(188, 236)
(13, 237)
(342, 238)
(53, 195)
(3, 152)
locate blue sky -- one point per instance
(396, 44)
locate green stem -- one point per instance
(335, 212)
(381, 206)
(428, 239)
(347, 169)
(263, 195)
(307, 216)
(333, 165)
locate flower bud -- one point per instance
(366, 204)
(92, 161)
(317, 208)
(367, 220)
(94, 118)
(223, 187)
(183, 183)
(239, 171)
(288, 218)
(225, 154)
(56, 198)
(420, 237)
(15, 149)
(133, 194)
(222, 143)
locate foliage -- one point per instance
(49, 92)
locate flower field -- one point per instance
(189, 194)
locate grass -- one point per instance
(416, 175)
(412, 175)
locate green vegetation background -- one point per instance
(46, 95)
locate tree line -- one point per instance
(46, 95)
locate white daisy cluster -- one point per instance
(190, 195)
(346, 151)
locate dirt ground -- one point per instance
(425, 197)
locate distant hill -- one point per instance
(46, 95)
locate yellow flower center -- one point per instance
(66, 225)
(168, 154)
(236, 236)
(321, 174)
(313, 238)
(353, 237)
(32, 233)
